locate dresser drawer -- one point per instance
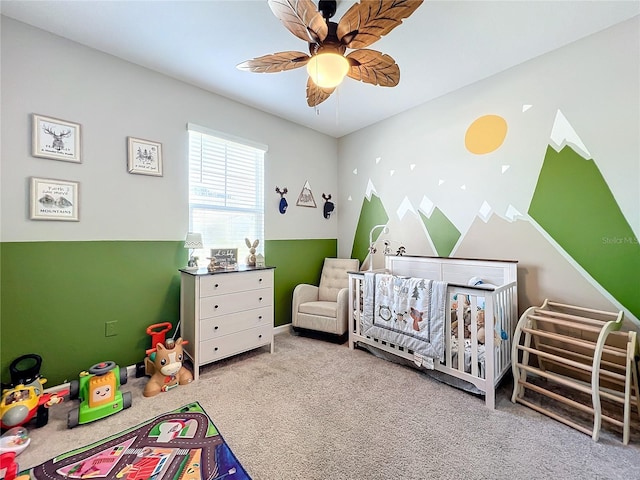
(235, 302)
(222, 283)
(227, 345)
(236, 322)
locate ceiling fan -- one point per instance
(364, 23)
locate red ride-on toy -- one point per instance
(158, 332)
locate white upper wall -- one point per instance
(594, 82)
(113, 99)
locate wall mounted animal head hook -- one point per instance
(282, 208)
(328, 205)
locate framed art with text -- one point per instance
(145, 157)
(53, 199)
(55, 139)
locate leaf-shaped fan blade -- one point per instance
(315, 94)
(373, 67)
(276, 62)
(301, 17)
(367, 21)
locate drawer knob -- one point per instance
(215, 349)
(216, 306)
(216, 327)
(260, 299)
(259, 317)
(216, 285)
(259, 280)
(260, 336)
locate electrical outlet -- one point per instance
(110, 329)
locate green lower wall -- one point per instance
(296, 261)
(55, 297)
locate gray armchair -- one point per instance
(324, 308)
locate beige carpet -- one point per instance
(316, 410)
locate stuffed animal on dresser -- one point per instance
(166, 369)
(251, 258)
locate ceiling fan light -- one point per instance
(327, 70)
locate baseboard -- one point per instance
(131, 369)
(282, 329)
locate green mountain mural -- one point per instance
(575, 206)
(443, 233)
(372, 213)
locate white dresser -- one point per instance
(223, 314)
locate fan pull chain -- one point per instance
(315, 52)
(338, 105)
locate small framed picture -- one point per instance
(305, 199)
(225, 257)
(55, 139)
(54, 199)
(145, 157)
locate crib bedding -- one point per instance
(406, 311)
(470, 349)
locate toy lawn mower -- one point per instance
(99, 392)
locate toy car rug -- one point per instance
(183, 444)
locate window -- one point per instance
(226, 191)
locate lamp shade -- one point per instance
(327, 70)
(193, 240)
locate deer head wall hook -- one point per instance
(328, 205)
(282, 208)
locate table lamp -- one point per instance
(193, 241)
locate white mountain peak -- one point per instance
(426, 206)
(370, 189)
(563, 134)
(405, 207)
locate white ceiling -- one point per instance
(442, 47)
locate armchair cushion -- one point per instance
(327, 309)
(324, 308)
(334, 277)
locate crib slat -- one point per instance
(474, 334)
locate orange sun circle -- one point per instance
(485, 134)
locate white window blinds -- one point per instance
(226, 191)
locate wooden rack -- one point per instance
(580, 350)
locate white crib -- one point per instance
(499, 301)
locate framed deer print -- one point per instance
(55, 139)
(145, 157)
(54, 199)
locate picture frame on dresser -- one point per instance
(226, 258)
(55, 139)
